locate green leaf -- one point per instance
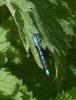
(14, 55)
(69, 95)
(5, 28)
(12, 88)
(2, 2)
(24, 24)
(53, 20)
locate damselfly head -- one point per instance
(36, 35)
(36, 38)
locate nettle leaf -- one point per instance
(4, 44)
(6, 27)
(52, 19)
(2, 2)
(55, 22)
(14, 55)
(20, 12)
(69, 95)
(11, 87)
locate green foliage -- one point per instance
(11, 88)
(56, 30)
(55, 21)
(24, 24)
(69, 95)
(2, 2)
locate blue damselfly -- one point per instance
(40, 52)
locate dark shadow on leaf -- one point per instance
(4, 13)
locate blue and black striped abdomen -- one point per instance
(41, 55)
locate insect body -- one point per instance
(41, 55)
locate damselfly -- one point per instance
(40, 52)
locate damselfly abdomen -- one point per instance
(40, 52)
